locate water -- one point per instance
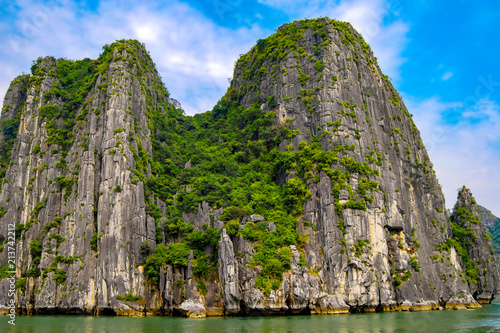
(482, 320)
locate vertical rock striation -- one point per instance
(70, 185)
(99, 172)
(228, 271)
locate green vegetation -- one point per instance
(493, 224)
(233, 151)
(176, 254)
(58, 237)
(93, 242)
(68, 260)
(401, 277)
(235, 161)
(75, 80)
(360, 247)
(462, 239)
(129, 297)
(202, 287)
(303, 261)
(21, 284)
(54, 224)
(397, 281)
(36, 252)
(414, 263)
(59, 274)
(4, 272)
(236, 164)
(33, 272)
(285, 42)
(465, 215)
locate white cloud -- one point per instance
(294, 6)
(146, 32)
(190, 51)
(446, 76)
(466, 153)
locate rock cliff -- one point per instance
(307, 189)
(472, 238)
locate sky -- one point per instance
(440, 55)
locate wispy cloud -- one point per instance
(465, 153)
(191, 52)
(446, 76)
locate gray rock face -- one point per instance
(175, 103)
(87, 215)
(100, 200)
(202, 219)
(253, 218)
(193, 309)
(228, 272)
(382, 259)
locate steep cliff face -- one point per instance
(70, 187)
(471, 237)
(307, 189)
(374, 223)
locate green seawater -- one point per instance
(482, 320)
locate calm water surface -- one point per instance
(482, 320)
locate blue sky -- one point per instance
(441, 56)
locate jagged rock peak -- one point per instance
(465, 199)
(473, 241)
(309, 46)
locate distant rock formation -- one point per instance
(493, 224)
(470, 234)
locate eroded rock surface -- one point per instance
(377, 238)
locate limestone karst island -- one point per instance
(307, 189)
